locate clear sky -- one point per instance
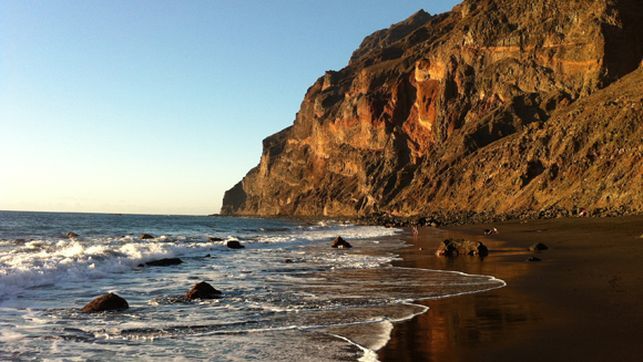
(160, 106)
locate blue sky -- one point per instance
(159, 106)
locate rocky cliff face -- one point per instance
(498, 106)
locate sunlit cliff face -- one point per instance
(428, 111)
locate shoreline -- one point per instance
(581, 302)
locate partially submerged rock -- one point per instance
(164, 262)
(71, 235)
(106, 302)
(214, 238)
(538, 247)
(147, 236)
(234, 244)
(202, 290)
(340, 243)
(455, 247)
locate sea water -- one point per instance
(286, 296)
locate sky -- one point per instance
(158, 107)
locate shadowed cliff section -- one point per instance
(497, 107)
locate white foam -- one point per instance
(368, 354)
(385, 336)
(497, 283)
(47, 262)
(10, 336)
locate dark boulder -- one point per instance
(164, 262)
(538, 247)
(214, 238)
(202, 290)
(481, 250)
(447, 248)
(340, 243)
(455, 247)
(106, 302)
(147, 236)
(71, 235)
(234, 244)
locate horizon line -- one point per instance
(107, 213)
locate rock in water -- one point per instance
(538, 247)
(202, 290)
(537, 99)
(106, 302)
(447, 248)
(481, 250)
(147, 236)
(164, 262)
(340, 243)
(214, 238)
(455, 247)
(233, 244)
(71, 235)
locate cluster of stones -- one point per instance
(202, 290)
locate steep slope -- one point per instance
(498, 107)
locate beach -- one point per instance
(281, 291)
(581, 302)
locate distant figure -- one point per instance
(492, 231)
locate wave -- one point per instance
(44, 262)
(286, 288)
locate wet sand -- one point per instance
(582, 302)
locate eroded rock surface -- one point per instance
(202, 290)
(340, 243)
(456, 247)
(164, 262)
(106, 302)
(498, 106)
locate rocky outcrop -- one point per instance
(498, 107)
(106, 302)
(234, 244)
(202, 290)
(340, 243)
(455, 247)
(538, 247)
(164, 262)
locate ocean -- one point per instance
(286, 296)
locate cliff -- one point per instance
(497, 107)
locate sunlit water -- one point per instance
(324, 304)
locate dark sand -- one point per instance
(582, 302)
